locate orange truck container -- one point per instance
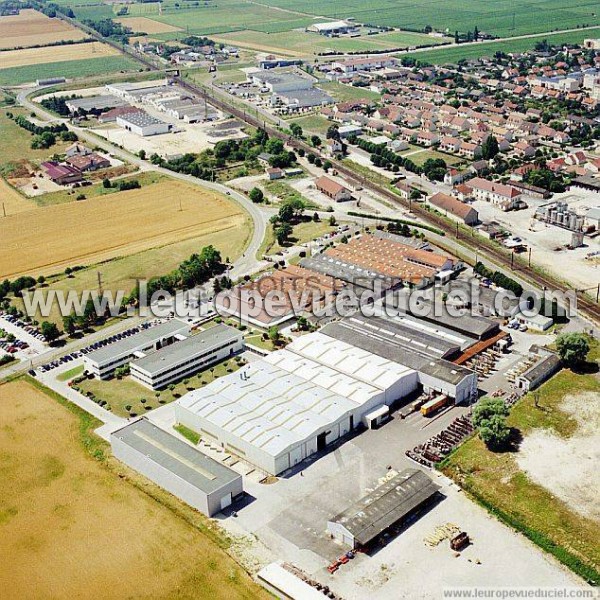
(433, 406)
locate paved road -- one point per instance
(247, 263)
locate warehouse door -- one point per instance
(321, 441)
(226, 501)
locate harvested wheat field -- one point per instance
(70, 527)
(146, 25)
(32, 28)
(37, 56)
(11, 202)
(49, 239)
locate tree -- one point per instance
(69, 324)
(296, 130)
(332, 221)
(106, 184)
(487, 408)
(256, 195)
(494, 432)
(302, 323)
(50, 331)
(274, 334)
(282, 232)
(41, 280)
(327, 165)
(490, 147)
(316, 217)
(142, 154)
(573, 348)
(315, 140)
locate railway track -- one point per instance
(585, 304)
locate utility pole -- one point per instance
(100, 288)
(4, 209)
(529, 259)
(598, 293)
(512, 260)
(457, 230)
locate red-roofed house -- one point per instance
(333, 189)
(498, 194)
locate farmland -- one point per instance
(32, 28)
(146, 25)
(69, 69)
(11, 202)
(503, 18)
(49, 239)
(123, 272)
(35, 56)
(300, 42)
(470, 51)
(64, 505)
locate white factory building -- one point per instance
(158, 369)
(205, 484)
(280, 81)
(279, 410)
(143, 124)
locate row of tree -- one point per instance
(499, 279)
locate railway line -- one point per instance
(585, 304)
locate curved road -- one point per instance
(245, 264)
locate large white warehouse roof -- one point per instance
(345, 358)
(267, 407)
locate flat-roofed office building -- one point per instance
(172, 363)
(103, 361)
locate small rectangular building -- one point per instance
(143, 124)
(176, 361)
(103, 361)
(450, 205)
(332, 189)
(548, 364)
(392, 503)
(174, 465)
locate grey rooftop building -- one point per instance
(171, 363)
(392, 503)
(176, 466)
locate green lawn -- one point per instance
(501, 17)
(71, 69)
(345, 93)
(494, 479)
(16, 142)
(455, 53)
(69, 195)
(71, 373)
(419, 155)
(313, 124)
(121, 393)
(303, 232)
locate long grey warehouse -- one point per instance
(176, 466)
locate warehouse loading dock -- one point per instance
(394, 503)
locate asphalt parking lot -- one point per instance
(288, 521)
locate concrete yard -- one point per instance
(288, 520)
(548, 241)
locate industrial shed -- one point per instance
(391, 504)
(177, 467)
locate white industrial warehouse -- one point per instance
(279, 410)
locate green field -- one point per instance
(70, 69)
(346, 93)
(496, 481)
(121, 393)
(300, 42)
(464, 52)
(501, 17)
(313, 123)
